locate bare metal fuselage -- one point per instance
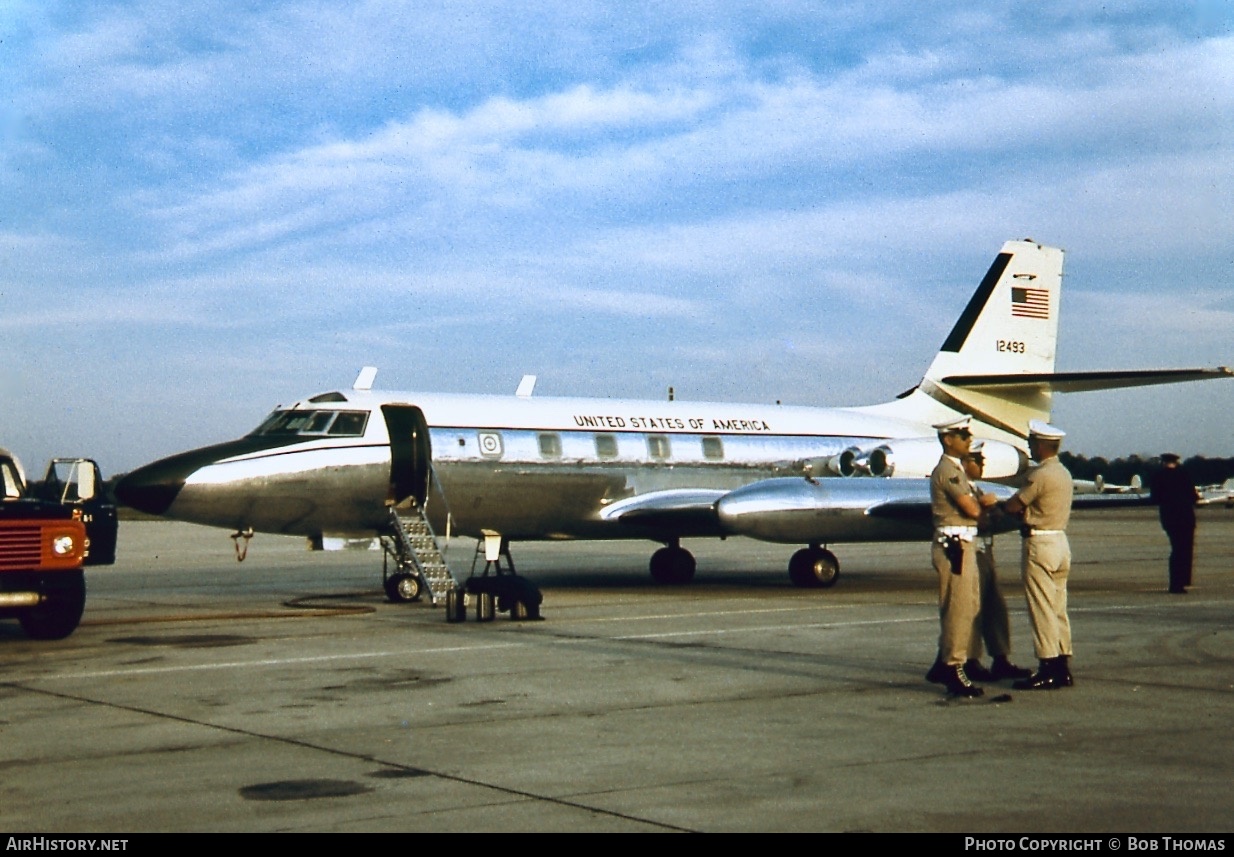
(543, 469)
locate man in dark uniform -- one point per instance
(1175, 495)
(1044, 504)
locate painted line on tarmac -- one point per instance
(265, 662)
(477, 647)
(540, 640)
(806, 626)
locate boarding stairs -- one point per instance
(417, 551)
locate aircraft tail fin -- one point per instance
(997, 364)
(1007, 332)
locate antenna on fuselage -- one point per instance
(364, 381)
(525, 387)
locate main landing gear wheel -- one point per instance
(814, 567)
(402, 587)
(672, 565)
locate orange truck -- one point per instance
(46, 537)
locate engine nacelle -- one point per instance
(917, 456)
(845, 463)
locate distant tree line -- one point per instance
(1118, 471)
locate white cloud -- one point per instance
(678, 186)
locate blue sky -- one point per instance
(208, 209)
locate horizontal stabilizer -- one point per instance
(1083, 382)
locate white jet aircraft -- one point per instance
(404, 466)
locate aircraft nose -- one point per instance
(154, 487)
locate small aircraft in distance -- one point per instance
(1223, 493)
(403, 467)
(1098, 485)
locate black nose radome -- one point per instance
(152, 488)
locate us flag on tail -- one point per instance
(1030, 303)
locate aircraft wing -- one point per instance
(919, 511)
(681, 511)
(788, 509)
(1082, 382)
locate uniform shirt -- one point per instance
(985, 524)
(1047, 496)
(947, 482)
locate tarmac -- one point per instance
(285, 693)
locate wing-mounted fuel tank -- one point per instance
(789, 510)
(917, 456)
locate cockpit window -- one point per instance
(318, 424)
(349, 423)
(314, 423)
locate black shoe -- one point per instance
(1062, 671)
(1003, 669)
(976, 672)
(1045, 678)
(937, 673)
(957, 683)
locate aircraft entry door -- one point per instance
(411, 452)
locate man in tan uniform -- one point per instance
(955, 510)
(1045, 506)
(993, 623)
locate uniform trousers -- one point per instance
(993, 622)
(1046, 563)
(959, 602)
(1182, 552)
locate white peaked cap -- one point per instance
(1042, 429)
(960, 424)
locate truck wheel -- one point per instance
(59, 615)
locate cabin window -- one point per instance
(550, 445)
(606, 445)
(713, 448)
(657, 446)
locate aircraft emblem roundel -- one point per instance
(490, 444)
